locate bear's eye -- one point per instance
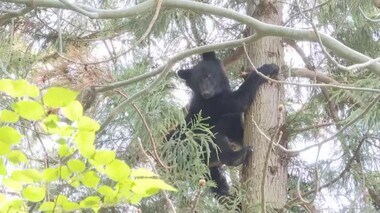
(208, 75)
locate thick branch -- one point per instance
(261, 28)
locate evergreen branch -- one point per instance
(320, 42)
(296, 131)
(261, 28)
(155, 155)
(344, 171)
(375, 101)
(320, 77)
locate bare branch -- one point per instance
(14, 13)
(261, 28)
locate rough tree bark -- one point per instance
(265, 112)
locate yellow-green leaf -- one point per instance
(70, 206)
(104, 156)
(50, 174)
(47, 206)
(6, 86)
(8, 116)
(9, 135)
(3, 169)
(59, 97)
(117, 170)
(90, 202)
(150, 186)
(83, 138)
(12, 184)
(64, 172)
(4, 148)
(64, 151)
(76, 165)
(23, 176)
(16, 157)
(142, 173)
(33, 174)
(85, 143)
(18, 88)
(33, 193)
(105, 190)
(30, 110)
(90, 179)
(89, 124)
(73, 111)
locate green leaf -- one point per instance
(18, 175)
(66, 204)
(84, 138)
(33, 174)
(64, 172)
(117, 170)
(6, 86)
(90, 202)
(8, 116)
(105, 190)
(59, 97)
(33, 193)
(104, 156)
(142, 173)
(30, 110)
(64, 151)
(16, 157)
(150, 186)
(9, 135)
(4, 148)
(76, 165)
(12, 184)
(61, 199)
(85, 143)
(3, 169)
(50, 174)
(25, 176)
(110, 196)
(90, 179)
(18, 88)
(73, 111)
(70, 206)
(89, 124)
(47, 206)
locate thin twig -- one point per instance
(375, 101)
(154, 169)
(344, 171)
(146, 33)
(366, 17)
(156, 156)
(307, 85)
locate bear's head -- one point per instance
(206, 79)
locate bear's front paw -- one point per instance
(269, 69)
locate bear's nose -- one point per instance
(206, 94)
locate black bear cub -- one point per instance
(213, 97)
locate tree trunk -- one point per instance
(266, 112)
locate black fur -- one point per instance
(213, 97)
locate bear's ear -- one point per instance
(209, 56)
(184, 74)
